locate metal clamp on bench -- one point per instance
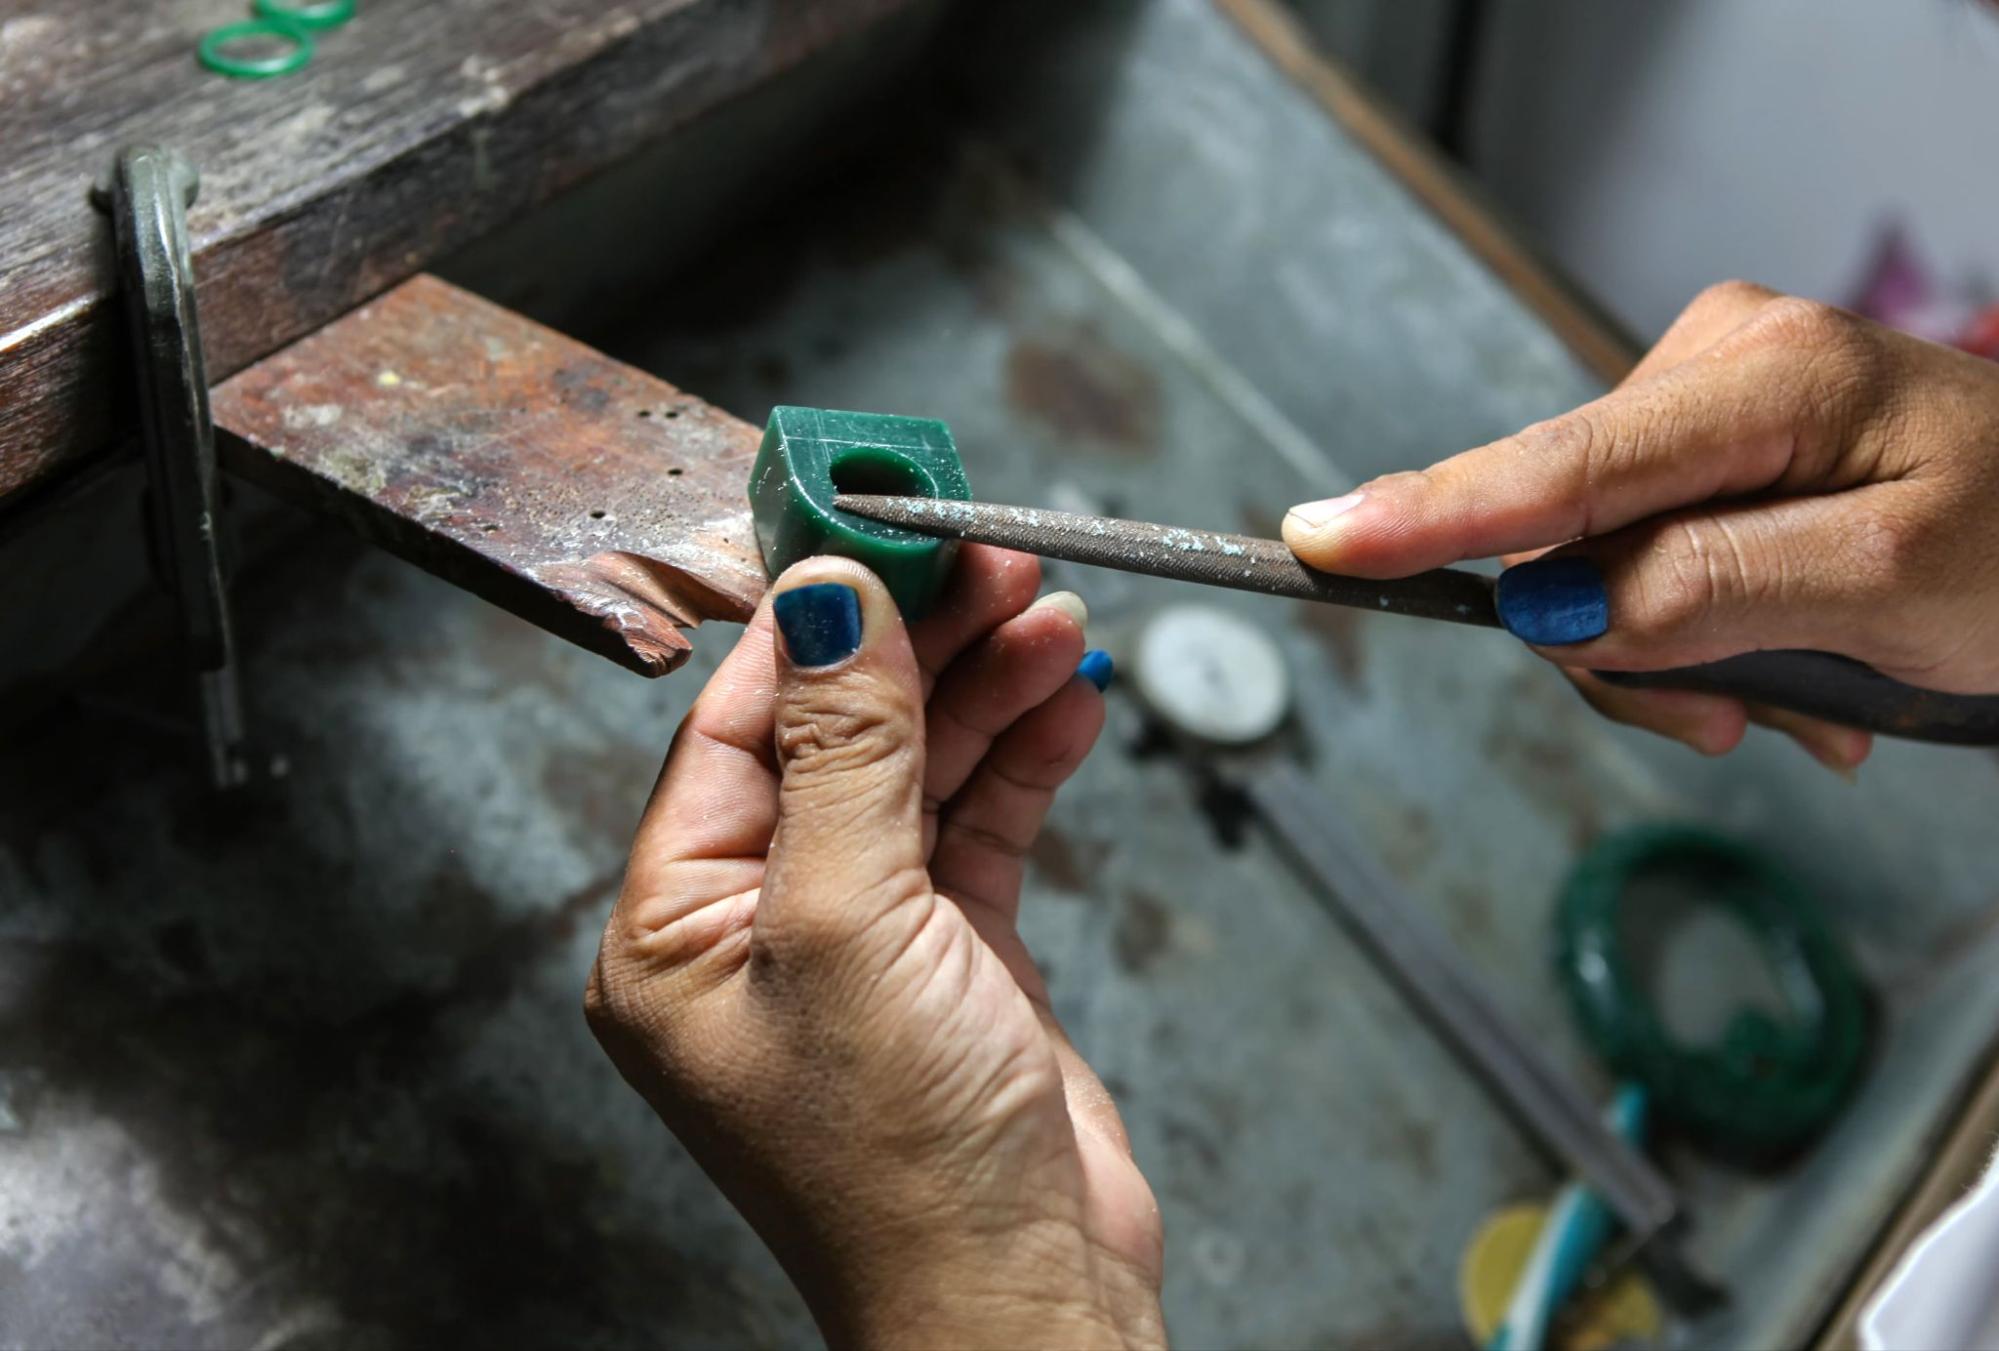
(150, 192)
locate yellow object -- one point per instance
(1622, 1311)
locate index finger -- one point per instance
(988, 586)
(1710, 427)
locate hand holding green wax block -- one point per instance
(811, 454)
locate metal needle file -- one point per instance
(1819, 684)
(1240, 562)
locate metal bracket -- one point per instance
(150, 191)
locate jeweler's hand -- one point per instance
(1774, 474)
(813, 973)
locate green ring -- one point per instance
(1765, 1089)
(307, 13)
(284, 63)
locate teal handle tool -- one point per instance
(1577, 1227)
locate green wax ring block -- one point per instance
(810, 454)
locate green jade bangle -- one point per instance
(811, 454)
(306, 13)
(214, 55)
(1765, 1088)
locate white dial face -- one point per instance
(1212, 675)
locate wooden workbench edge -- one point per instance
(62, 372)
(1596, 340)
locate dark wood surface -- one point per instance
(592, 499)
(416, 128)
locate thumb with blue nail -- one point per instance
(1775, 473)
(813, 972)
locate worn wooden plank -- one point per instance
(591, 499)
(417, 127)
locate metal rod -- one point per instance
(1436, 980)
(1240, 562)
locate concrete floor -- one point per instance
(308, 1068)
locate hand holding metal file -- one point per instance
(1821, 684)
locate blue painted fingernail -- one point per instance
(821, 623)
(1554, 601)
(1097, 668)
